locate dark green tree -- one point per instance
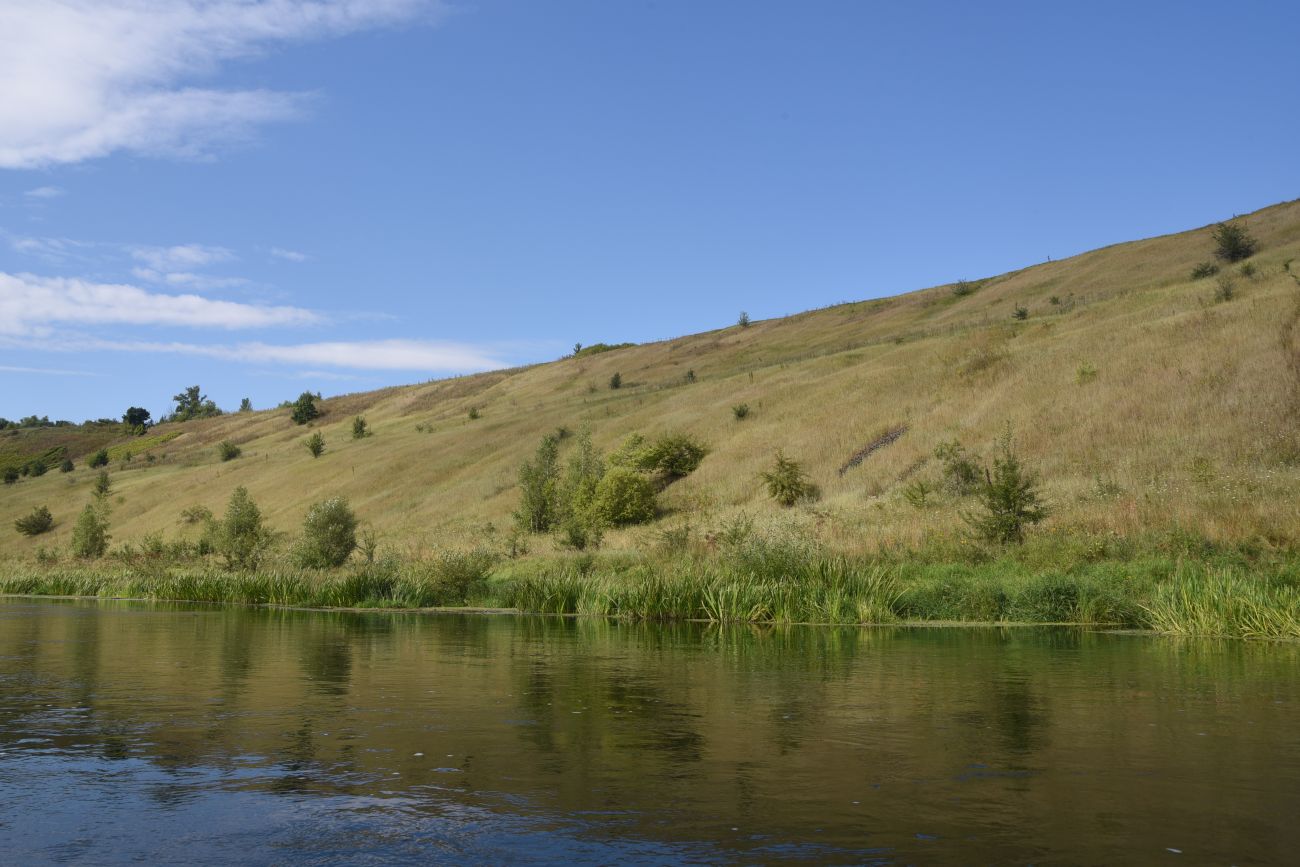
(136, 419)
(304, 408)
(539, 488)
(329, 534)
(1232, 242)
(1009, 498)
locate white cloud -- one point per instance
(80, 79)
(290, 255)
(30, 305)
(181, 256)
(45, 193)
(49, 371)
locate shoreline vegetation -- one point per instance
(1219, 594)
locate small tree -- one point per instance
(37, 467)
(316, 444)
(240, 537)
(136, 420)
(228, 451)
(616, 381)
(304, 408)
(103, 486)
(39, 521)
(1009, 498)
(99, 459)
(539, 488)
(473, 413)
(359, 428)
(90, 534)
(787, 483)
(11, 475)
(1232, 242)
(740, 411)
(67, 466)
(580, 525)
(329, 534)
(1020, 313)
(961, 471)
(743, 319)
(669, 457)
(246, 404)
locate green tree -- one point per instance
(359, 428)
(304, 408)
(240, 537)
(616, 381)
(136, 420)
(1009, 498)
(103, 486)
(316, 444)
(743, 319)
(624, 496)
(246, 405)
(192, 403)
(90, 534)
(1232, 242)
(99, 459)
(67, 466)
(329, 534)
(579, 524)
(227, 450)
(669, 457)
(787, 483)
(11, 475)
(539, 488)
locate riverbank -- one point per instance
(1171, 595)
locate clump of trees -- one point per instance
(191, 404)
(37, 522)
(136, 420)
(304, 409)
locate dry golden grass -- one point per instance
(1188, 421)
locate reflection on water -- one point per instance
(175, 733)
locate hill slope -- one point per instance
(1143, 403)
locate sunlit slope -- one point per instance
(1143, 402)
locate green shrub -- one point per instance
(740, 411)
(1009, 499)
(99, 459)
(669, 457)
(1225, 289)
(787, 483)
(196, 515)
(539, 488)
(304, 408)
(315, 444)
(103, 486)
(37, 468)
(1086, 373)
(67, 466)
(1248, 270)
(961, 472)
(228, 450)
(579, 522)
(473, 413)
(624, 496)
(11, 475)
(962, 288)
(246, 404)
(917, 494)
(240, 537)
(743, 319)
(38, 522)
(359, 428)
(1020, 313)
(329, 534)
(90, 534)
(1204, 269)
(616, 381)
(1232, 242)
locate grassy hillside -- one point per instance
(1147, 407)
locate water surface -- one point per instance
(171, 734)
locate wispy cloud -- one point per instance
(181, 256)
(290, 255)
(30, 304)
(46, 371)
(45, 193)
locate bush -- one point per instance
(624, 496)
(99, 459)
(329, 534)
(579, 523)
(228, 450)
(962, 288)
(616, 381)
(246, 405)
(1204, 269)
(1009, 498)
(103, 486)
(473, 413)
(1225, 289)
(1248, 270)
(90, 535)
(1085, 373)
(743, 319)
(787, 483)
(11, 475)
(670, 457)
(316, 444)
(539, 488)
(196, 515)
(304, 408)
(240, 537)
(67, 466)
(961, 472)
(740, 411)
(918, 493)
(1020, 314)
(37, 468)
(38, 522)
(359, 428)
(1232, 242)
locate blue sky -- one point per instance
(267, 197)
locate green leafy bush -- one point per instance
(67, 466)
(1204, 269)
(740, 411)
(1225, 289)
(240, 537)
(1009, 499)
(315, 444)
(11, 475)
(616, 381)
(227, 450)
(580, 524)
(196, 515)
(624, 496)
(329, 534)
(539, 488)
(669, 457)
(39, 521)
(246, 404)
(787, 483)
(473, 413)
(90, 534)
(743, 319)
(99, 459)
(360, 430)
(37, 468)
(304, 408)
(1020, 313)
(1232, 242)
(961, 471)
(103, 486)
